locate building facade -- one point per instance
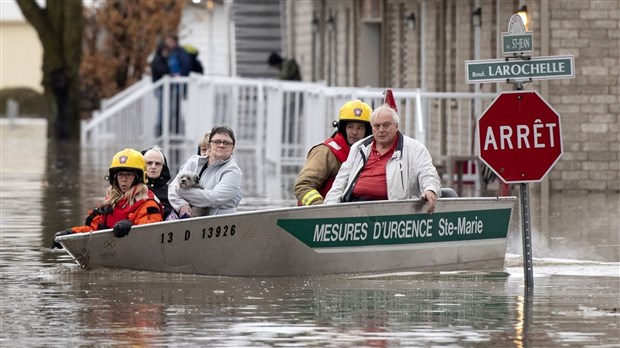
(21, 50)
(424, 44)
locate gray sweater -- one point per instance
(221, 183)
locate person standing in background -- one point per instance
(288, 71)
(193, 52)
(179, 64)
(288, 68)
(159, 68)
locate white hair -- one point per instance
(159, 151)
(382, 108)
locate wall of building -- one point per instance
(22, 54)
(299, 41)
(208, 30)
(589, 105)
(257, 33)
(443, 39)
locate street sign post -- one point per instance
(535, 68)
(520, 137)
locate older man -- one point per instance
(386, 165)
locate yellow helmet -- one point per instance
(355, 110)
(128, 160)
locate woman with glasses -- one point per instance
(128, 200)
(219, 176)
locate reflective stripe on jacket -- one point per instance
(318, 173)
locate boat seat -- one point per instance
(447, 192)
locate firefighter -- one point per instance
(324, 160)
(128, 200)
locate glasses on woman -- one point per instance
(224, 143)
(126, 175)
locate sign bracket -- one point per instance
(518, 56)
(518, 83)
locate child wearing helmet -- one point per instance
(324, 160)
(128, 200)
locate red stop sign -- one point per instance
(520, 137)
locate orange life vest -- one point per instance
(143, 211)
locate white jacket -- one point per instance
(408, 173)
(221, 186)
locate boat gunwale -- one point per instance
(287, 209)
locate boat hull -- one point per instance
(364, 237)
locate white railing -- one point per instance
(275, 123)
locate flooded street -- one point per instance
(47, 300)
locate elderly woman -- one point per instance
(220, 178)
(158, 175)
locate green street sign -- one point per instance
(517, 44)
(535, 68)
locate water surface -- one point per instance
(47, 300)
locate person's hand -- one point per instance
(431, 198)
(55, 244)
(121, 228)
(185, 212)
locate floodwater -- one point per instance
(47, 300)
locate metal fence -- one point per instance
(275, 124)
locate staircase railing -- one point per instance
(275, 124)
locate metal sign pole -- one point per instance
(528, 266)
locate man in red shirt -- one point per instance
(388, 165)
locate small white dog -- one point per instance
(189, 180)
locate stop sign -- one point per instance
(520, 137)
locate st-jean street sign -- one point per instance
(504, 70)
(517, 44)
(517, 41)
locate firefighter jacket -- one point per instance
(318, 173)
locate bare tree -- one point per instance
(94, 52)
(118, 38)
(59, 25)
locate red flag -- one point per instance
(389, 99)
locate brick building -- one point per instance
(424, 43)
